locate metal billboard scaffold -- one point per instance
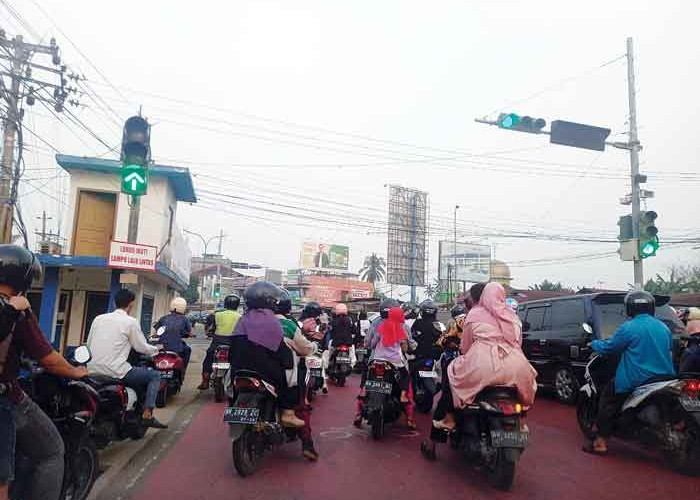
(407, 237)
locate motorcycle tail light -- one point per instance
(508, 407)
(378, 370)
(122, 394)
(692, 387)
(222, 355)
(343, 348)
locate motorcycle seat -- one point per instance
(102, 380)
(247, 373)
(498, 392)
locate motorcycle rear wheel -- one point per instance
(586, 415)
(686, 459)
(219, 389)
(377, 424)
(162, 398)
(502, 473)
(425, 403)
(245, 455)
(81, 472)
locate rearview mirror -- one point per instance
(587, 328)
(82, 355)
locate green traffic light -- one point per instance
(649, 248)
(508, 120)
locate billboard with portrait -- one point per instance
(324, 256)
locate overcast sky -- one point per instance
(320, 104)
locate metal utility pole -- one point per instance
(134, 213)
(19, 53)
(634, 148)
(218, 261)
(43, 218)
(454, 255)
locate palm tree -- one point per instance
(373, 269)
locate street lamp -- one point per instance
(205, 242)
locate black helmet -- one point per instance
(311, 310)
(458, 310)
(232, 302)
(18, 267)
(428, 308)
(385, 305)
(639, 302)
(284, 304)
(262, 295)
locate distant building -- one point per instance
(500, 272)
(325, 287)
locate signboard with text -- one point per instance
(132, 256)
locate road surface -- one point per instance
(198, 465)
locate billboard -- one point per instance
(328, 291)
(407, 236)
(472, 262)
(324, 256)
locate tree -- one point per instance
(681, 279)
(549, 286)
(374, 269)
(191, 294)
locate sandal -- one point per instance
(589, 448)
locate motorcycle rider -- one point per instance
(690, 362)
(112, 337)
(644, 345)
(258, 344)
(221, 324)
(341, 333)
(301, 347)
(24, 427)
(426, 332)
(177, 328)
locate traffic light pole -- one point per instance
(134, 213)
(634, 148)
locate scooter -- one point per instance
(253, 421)
(664, 412)
(339, 365)
(491, 432)
(315, 375)
(382, 402)
(361, 355)
(71, 405)
(220, 369)
(425, 383)
(171, 367)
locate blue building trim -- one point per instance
(49, 303)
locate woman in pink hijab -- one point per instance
(491, 355)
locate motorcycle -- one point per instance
(425, 383)
(382, 402)
(315, 375)
(664, 412)
(339, 365)
(253, 421)
(362, 356)
(71, 406)
(172, 370)
(491, 432)
(220, 368)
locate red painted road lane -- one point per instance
(352, 466)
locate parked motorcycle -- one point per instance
(171, 367)
(220, 368)
(339, 365)
(71, 406)
(253, 421)
(425, 383)
(491, 432)
(382, 402)
(664, 412)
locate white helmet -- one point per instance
(178, 304)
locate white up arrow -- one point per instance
(135, 180)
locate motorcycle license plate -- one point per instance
(221, 366)
(168, 374)
(361, 350)
(316, 372)
(236, 415)
(509, 439)
(690, 404)
(427, 374)
(378, 386)
(342, 361)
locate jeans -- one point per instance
(209, 358)
(38, 440)
(7, 440)
(138, 376)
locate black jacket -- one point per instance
(425, 333)
(341, 330)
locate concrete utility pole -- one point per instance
(634, 148)
(454, 255)
(19, 53)
(43, 218)
(134, 213)
(218, 261)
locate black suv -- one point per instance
(554, 339)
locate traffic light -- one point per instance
(648, 234)
(217, 290)
(625, 223)
(511, 121)
(135, 155)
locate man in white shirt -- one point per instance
(111, 338)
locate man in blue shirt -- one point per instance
(644, 345)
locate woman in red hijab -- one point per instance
(390, 343)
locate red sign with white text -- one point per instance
(132, 256)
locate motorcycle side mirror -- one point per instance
(82, 355)
(587, 328)
(160, 331)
